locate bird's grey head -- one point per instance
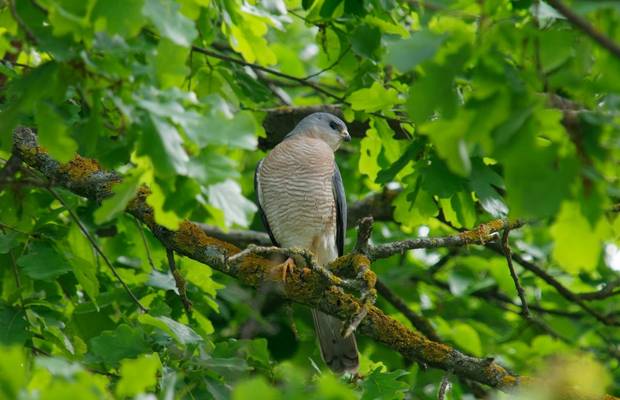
(324, 126)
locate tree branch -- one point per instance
(483, 234)
(305, 285)
(513, 273)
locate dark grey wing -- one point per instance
(259, 194)
(341, 210)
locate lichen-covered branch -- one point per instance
(481, 235)
(417, 320)
(304, 285)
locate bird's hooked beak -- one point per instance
(345, 135)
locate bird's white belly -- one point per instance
(298, 200)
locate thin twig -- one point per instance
(513, 273)
(149, 256)
(180, 282)
(563, 290)
(435, 268)
(417, 320)
(585, 26)
(301, 81)
(605, 292)
(92, 241)
(332, 65)
(18, 283)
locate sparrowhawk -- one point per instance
(302, 203)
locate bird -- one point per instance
(301, 201)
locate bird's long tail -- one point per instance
(339, 353)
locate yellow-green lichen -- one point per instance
(191, 238)
(482, 232)
(80, 168)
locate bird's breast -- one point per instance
(297, 194)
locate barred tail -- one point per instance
(339, 354)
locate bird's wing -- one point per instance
(259, 198)
(341, 210)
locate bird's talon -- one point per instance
(288, 267)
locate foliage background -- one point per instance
(483, 92)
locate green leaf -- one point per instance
(124, 342)
(86, 274)
(156, 199)
(170, 22)
(374, 98)
(255, 388)
(447, 136)
(59, 367)
(123, 193)
(200, 276)
(328, 8)
(170, 65)
(181, 333)
(138, 375)
(248, 39)
(414, 206)
(434, 91)
(227, 197)
(126, 21)
(211, 167)
(330, 387)
(384, 385)
(162, 281)
(365, 40)
(12, 326)
(537, 178)
(9, 240)
(463, 204)
(306, 4)
(43, 261)
(70, 17)
(406, 54)
(577, 243)
(370, 147)
(163, 144)
(484, 181)
(467, 338)
(222, 127)
(411, 154)
(53, 133)
(13, 372)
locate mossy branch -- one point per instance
(305, 286)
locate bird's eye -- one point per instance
(334, 125)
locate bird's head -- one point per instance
(324, 126)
